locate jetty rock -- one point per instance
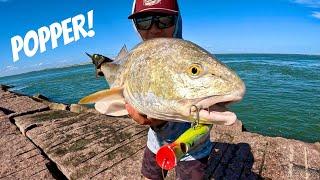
(5, 87)
(39, 142)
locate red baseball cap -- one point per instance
(160, 6)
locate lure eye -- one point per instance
(195, 70)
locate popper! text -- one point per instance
(70, 29)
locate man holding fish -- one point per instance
(164, 20)
(154, 21)
(160, 80)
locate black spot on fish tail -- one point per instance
(98, 60)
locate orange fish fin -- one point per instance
(113, 93)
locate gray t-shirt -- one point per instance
(169, 133)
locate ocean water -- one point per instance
(282, 98)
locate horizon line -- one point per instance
(89, 62)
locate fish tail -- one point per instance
(98, 60)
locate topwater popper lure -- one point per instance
(168, 155)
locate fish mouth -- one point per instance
(214, 109)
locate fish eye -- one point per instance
(195, 70)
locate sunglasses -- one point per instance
(162, 21)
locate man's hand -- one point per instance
(142, 119)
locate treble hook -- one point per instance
(196, 121)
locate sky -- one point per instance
(220, 26)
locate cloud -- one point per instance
(8, 69)
(36, 65)
(316, 14)
(11, 67)
(309, 3)
(312, 4)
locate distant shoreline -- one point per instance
(45, 69)
(88, 63)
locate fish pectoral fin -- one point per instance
(110, 102)
(114, 107)
(104, 95)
